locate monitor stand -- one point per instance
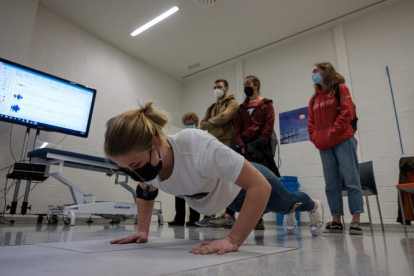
(25, 206)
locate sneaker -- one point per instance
(289, 223)
(260, 225)
(317, 220)
(204, 222)
(355, 228)
(334, 227)
(222, 222)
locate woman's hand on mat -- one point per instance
(219, 246)
(140, 237)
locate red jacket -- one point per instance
(328, 126)
(260, 124)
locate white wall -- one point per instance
(56, 46)
(385, 38)
(20, 14)
(199, 93)
(372, 42)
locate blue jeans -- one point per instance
(281, 201)
(342, 159)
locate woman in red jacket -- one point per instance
(330, 130)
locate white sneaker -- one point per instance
(317, 220)
(289, 223)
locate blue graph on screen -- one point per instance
(15, 108)
(18, 97)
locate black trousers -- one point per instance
(180, 211)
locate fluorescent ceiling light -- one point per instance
(154, 21)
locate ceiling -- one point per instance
(220, 33)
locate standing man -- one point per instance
(218, 121)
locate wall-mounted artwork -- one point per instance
(294, 126)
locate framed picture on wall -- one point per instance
(294, 126)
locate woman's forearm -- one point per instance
(144, 211)
(253, 208)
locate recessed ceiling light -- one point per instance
(195, 65)
(154, 21)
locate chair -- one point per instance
(369, 188)
(408, 188)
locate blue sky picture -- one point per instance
(294, 126)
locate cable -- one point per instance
(60, 141)
(7, 189)
(11, 151)
(37, 182)
(5, 200)
(5, 168)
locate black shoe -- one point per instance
(191, 224)
(334, 227)
(259, 225)
(175, 223)
(355, 228)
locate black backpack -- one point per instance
(338, 99)
(273, 138)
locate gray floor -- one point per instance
(330, 254)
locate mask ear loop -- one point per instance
(109, 165)
(159, 158)
(159, 153)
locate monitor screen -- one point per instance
(38, 100)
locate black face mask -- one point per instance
(248, 91)
(147, 172)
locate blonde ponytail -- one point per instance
(134, 130)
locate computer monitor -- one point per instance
(39, 100)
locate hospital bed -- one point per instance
(59, 159)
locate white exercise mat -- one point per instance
(160, 256)
(105, 246)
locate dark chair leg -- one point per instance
(402, 210)
(369, 213)
(411, 203)
(380, 214)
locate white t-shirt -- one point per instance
(204, 173)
